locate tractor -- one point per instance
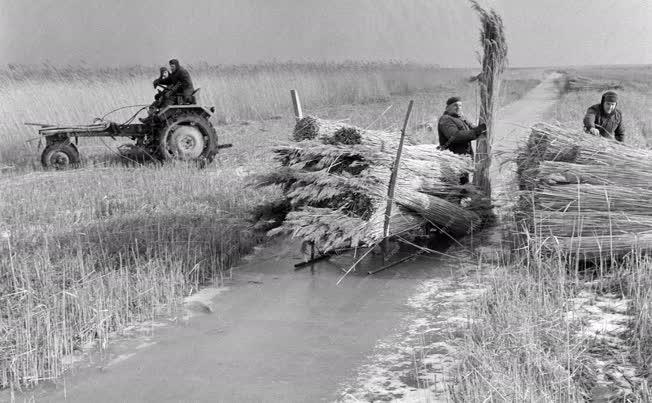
(177, 131)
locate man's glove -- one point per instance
(481, 129)
(594, 131)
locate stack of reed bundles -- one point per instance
(335, 180)
(579, 83)
(583, 194)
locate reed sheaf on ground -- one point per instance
(550, 328)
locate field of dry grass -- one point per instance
(85, 253)
(550, 330)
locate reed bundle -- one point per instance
(494, 61)
(95, 127)
(579, 83)
(605, 246)
(335, 179)
(332, 132)
(333, 229)
(579, 191)
(573, 224)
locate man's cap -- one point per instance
(452, 100)
(175, 62)
(610, 96)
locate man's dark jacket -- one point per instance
(456, 134)
(612, 123)
(180, 81)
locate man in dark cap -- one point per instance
(159, 98)
(604, 119)
(180, 88)
(456, 133)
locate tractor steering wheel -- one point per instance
(161, 88)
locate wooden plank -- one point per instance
(311, 261)
(392, 264)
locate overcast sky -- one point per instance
(115, 32)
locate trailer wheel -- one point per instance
(60, 156)
(188, 137)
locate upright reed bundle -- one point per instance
(585, 194)
(494, 61)
(335, 179)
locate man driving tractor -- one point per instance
(179, 86)
(177, 89)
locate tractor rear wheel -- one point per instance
(188, 136)
(61, 155)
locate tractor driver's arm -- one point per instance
(171, 79)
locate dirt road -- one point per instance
(512, 128)
(279, 335)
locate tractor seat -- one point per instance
(193, 96)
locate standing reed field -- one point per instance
(85, 253)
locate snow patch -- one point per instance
(603, 321)
(414, 365)
(201, 301)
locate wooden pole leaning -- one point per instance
(392, 182)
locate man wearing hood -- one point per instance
(179, 84)
(456, 133)
(604, 119)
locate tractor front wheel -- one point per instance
(188, 137)
(61, 155)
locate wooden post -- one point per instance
(392, 181)
(296, 103)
